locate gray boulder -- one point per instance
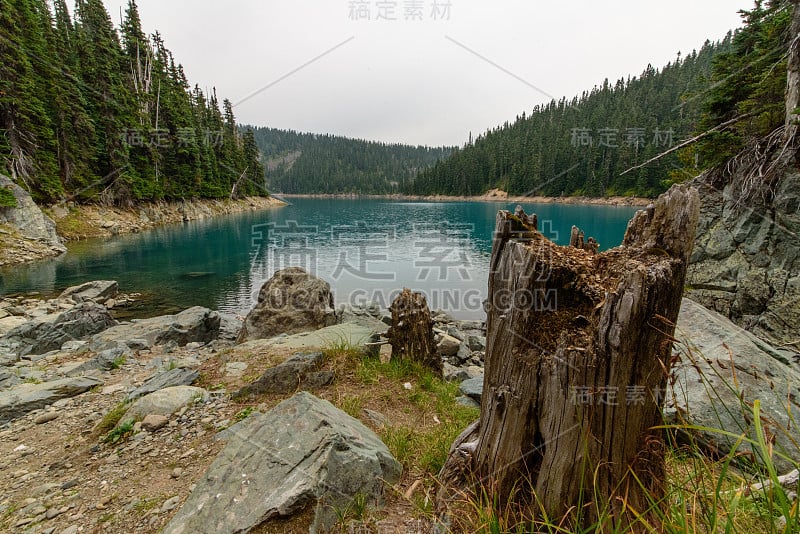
(8, 324)
(50, 332)
(8, 379)
(28, 218)
(460, 374)
(229, 326)
(723, 370)
(97, 291)
(23, 398)
(448, 345)
(291, 301)
(163, 402)
(195, 324)
(472, 388)
(345, 335)
(302, 452)
(299, 371)
(179, 376)
(476, 343)
(105, 361)
(368, 317)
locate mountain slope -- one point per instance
(310, 163)
(581, 146)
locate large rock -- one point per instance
(97, 291)
(723, 370)
(345, 335)
(291, 301)
(746, 259)
(301, 371)
(50, 332)
(23, 398)
(366, 316)
(163, 402)
(7, 324)
(180, 376)
(195, 324)
(229, 327)
(448, 345)
(304, 451)
(28, 218)
(105, 361)
(472, 388)
(8, 379)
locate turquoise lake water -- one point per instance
(366, 249)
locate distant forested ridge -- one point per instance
(89, 112)
(582, 146)
(308, 163)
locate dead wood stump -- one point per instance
(578, 355)
(411, 333)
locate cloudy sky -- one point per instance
(419, 71)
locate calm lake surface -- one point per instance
(366, 249)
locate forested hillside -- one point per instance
(748, 86)
(90, 112)
(311, 163)
(582, 146)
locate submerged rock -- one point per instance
(303, 452)
(98, 291)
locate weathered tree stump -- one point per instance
(578, 355)
(411, 333)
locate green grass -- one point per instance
(243, 414)
(111, 419)
(119, 432)
(352, 405)
(703, 493)
(420, 448)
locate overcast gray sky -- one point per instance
(431, 75)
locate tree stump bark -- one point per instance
(411, 333)
(578, 355)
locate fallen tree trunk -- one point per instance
(578, 355)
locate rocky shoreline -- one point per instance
(92, 220)
(491, 196)
(66, 366)
(136, 426)
(28, 233)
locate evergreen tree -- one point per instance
(581, 146)
(27, 141)
(748, 83)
